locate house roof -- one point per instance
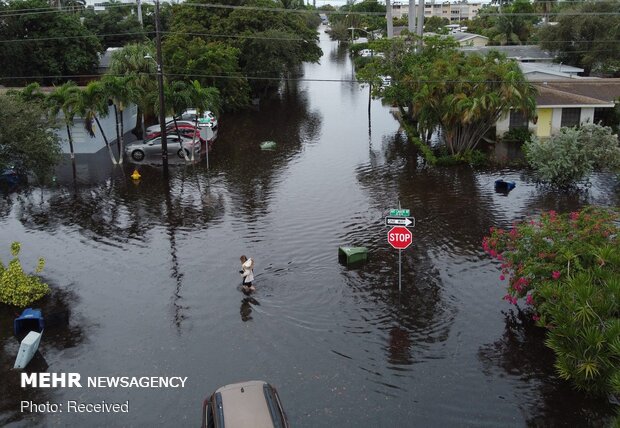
(106, 57)
(549, 67)
(461, 37)
(607, 90)
(518, 52)
(576, 94)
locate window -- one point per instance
(570, 116)
(517, 120)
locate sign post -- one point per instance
(399, 236)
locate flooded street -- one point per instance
(149, 270)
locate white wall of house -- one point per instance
(502, 126)
(84, 143)
(556, 120)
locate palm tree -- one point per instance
(203, 99)
(94, 103)
(122, 92)
(178, 99)
(136, 60)
(32, 93)
(66, 99)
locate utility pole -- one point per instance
(139, 4)
(390, 23)
(160, 85)
(420, 28)
(411, 17)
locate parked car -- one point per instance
(169, 125)
(186, 131)
(206, 119)
(139, 149)
(251, 404)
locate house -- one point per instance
(469, 39)
(83, 142)
(564, 103)
(545, 71)
(520, 53)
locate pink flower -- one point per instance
(535, 317)
(574, 216)
(556, 274)
(502, 277)
(529, 300)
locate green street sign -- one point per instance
(400, 213)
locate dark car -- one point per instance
(251, 404)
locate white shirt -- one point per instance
(248, 273)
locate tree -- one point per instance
(117, 25)
(213, 64)
(93, 104)
(28, 142)
(136, 60)
(270, 44)
(435, 24)
(122, 92)
(567, 267)
(202, 99)
(464, 95)
(568, 157)
(587, 37)
(65, 99)
(36, 49)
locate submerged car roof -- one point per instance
(244, 405)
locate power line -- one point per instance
(304, 79)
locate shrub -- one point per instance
(568, 157)
(17, 287)
(567, 267)
(518, 134)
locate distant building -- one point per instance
(521, 53)
(469, 39)
(100, 5)
(455, 11)
(466, 40)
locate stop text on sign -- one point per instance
(400, 237)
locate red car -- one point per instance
(185, 130)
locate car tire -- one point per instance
(181, 155)
(137, 155)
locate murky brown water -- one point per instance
(149, 272)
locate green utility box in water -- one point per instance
(353, 254)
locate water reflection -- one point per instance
(246, 308)
(520, 353)
(63, 330)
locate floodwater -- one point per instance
(149, 273)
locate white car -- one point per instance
(206, 119)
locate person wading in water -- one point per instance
(247, 273)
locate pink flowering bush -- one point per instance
(567, 267)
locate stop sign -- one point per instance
(400, 237)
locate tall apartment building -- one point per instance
(454, 12)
